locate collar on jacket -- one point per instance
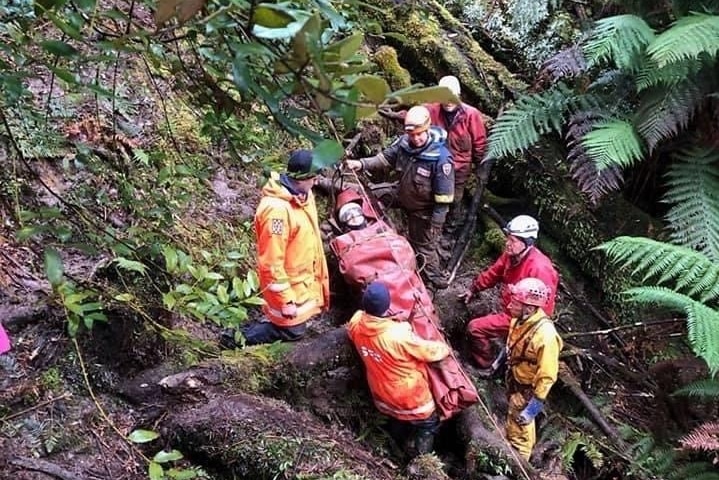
(432, 151)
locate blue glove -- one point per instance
(533, 408)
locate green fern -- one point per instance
(691, 272)
(702, 321)
(532, 116)
(706, 388)
(688, 37)
(693, 181)
(621, 38)
(613, 143)
(665, 112)
(650, 74)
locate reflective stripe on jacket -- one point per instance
(533, 264)
(466, 135)
(533, 357)
(290, 258)
(395, 359)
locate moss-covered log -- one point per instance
(433, 43)
(262, 438)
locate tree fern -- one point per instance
(705, 437)
(688, 37)
(691, 272)
(693, 181)
(569, 62)
(702, 321)
(621, 39)
(613, 143)
(666, 112)
(533, 115)
(592, 181)
(707, 388)
(650, 74)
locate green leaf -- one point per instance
(326, 153)
(68, 29)
(131, 265)
(222, 295)
(375, 89)
(253, 280)
(163, 456)
(346, 47)
(53, 266)
(689, 37)
(270, 16)
(155, 471)
(170, 255)
(142, 436)
(56, 47)
(124, 297)
(169, 300)
(416, 96)
(253, 301)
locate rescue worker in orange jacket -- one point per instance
(520, 259)
(395, 360)
(426, 185)
(533, 347)
(290, 258)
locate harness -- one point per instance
(512, 384)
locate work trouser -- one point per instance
(481, 332)
(415, 436)
(522, 437)
(456, 212)
(424, 241)
(267, 332)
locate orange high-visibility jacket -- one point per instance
(290, 258)
(534, 347)
(396, 363)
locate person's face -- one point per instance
(514, 245)
(418, 139)
(305, 185)
(515, 308)
(449, 107)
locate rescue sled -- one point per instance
(378, 252)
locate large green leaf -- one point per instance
(142, 436)
(56, 47)
(373, 88)
(344, 48)
(271, 16)
(326, 153)
(689, 37)
(53, 266)
(425, 95)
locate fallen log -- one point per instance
(45, 467)
(263, 438)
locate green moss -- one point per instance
(386, 59)
(51, 379)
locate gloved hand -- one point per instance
(533, 408)
(289, 310)
(355, 165)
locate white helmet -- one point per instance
(417, 119)
(522, 226)
(450, 82)
(351, 214)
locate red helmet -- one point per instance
(530, 291)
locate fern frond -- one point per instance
(693, 181)
(533, 115)
(707, 388)
(621, 38)
(688, 270)
(666, 112)
(569, 62)
(702, 321)
(688, 37)
(613, 143)
(671, 74)
(694, 471)
(704, 438)
(595, 183)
